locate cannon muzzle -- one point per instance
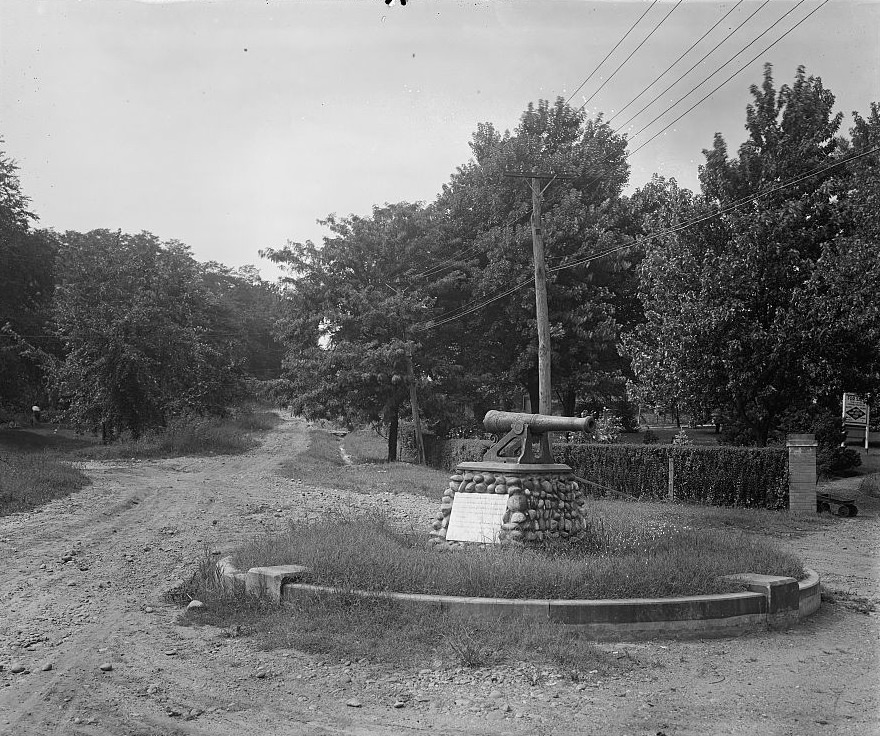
(500, 422)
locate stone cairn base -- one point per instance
(543, 502)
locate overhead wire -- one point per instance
(432, 270)
(632, 53)
(471, 306)
(692, 67)
(622, 39)
(713, 91)
(724, 210)
(456, 314)
(733, 58)
(667, 69)
(737, 72)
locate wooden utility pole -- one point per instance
(414, 403)
(542, 314)
(413, 394)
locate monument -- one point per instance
(517, 493)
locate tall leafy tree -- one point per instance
(735, 305)
(26, 284)
(351, 318)
(488, 246)
(136, 321)
(246, 310)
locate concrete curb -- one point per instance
(768, 603)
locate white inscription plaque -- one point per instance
(476, 517)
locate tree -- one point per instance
(246, 310)
(135, 319)
(486, 222)
(350, 318)
(741, 309)
(26, 284)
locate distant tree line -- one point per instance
(122, 332)
(754, 299)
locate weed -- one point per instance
(193, 435)
(31, 480)
(853, 601)
(870, 485)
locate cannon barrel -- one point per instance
(503, 421)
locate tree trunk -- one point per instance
(534, 394)
(569, 401)
(392, 435)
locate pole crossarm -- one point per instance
(538, 175)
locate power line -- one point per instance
(694, 66)
(724, 210)
(453, 315)
(731, 59)
(631, 28)
(432, 270)
(632, 53)
(737, 72)
(703, 99)
(441, 321)
(667, 69)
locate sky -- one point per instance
(236, 125)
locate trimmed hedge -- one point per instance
(717, 476)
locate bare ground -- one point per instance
(140, 528)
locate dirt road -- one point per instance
(141, 526)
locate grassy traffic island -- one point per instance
(631, 550)
(628, 551)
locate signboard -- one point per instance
(856, 414)
(855, 410)
(476, 517)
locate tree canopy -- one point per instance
(350, 315)
(769, 305)
(26, 284)
(487, 242)
(138, 327)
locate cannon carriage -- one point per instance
(517, 493)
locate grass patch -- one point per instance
(626, 554)
(31, 480)
(870, 485)
(348, 627)
(321, 464)
(366, 446)
(193, 435)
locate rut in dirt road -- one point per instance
(83, 582)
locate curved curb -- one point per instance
(770, 602)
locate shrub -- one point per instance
(439, 453)
(832, 460)
(608, 427)
(682, 439)
(722, 476)
(193, 434)
(452, 452)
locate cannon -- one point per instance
(520, 433)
